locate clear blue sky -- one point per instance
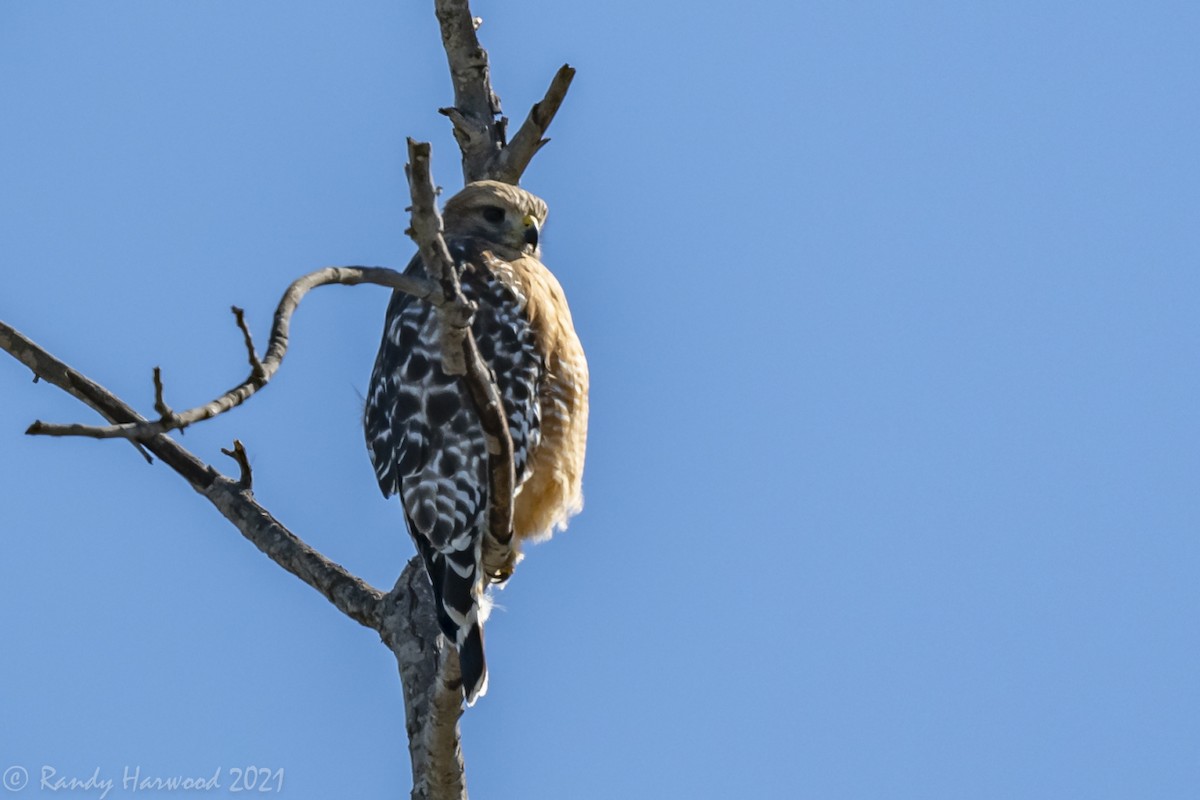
(891, 310)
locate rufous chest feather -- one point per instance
(552, 491)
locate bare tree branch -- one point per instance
(261, 372)
(256, 366)
(160, 405)
(478, 126)
(426, 230)
(47, 368)
(238, 454)
(511, 162)
(352, 596)
(432, 686)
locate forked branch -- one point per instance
(352, 596)
(262, 371)
(480, 126)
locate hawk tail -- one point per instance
(459, 612)
(474, 667)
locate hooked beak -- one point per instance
(531, 231)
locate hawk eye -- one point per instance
(493, 213)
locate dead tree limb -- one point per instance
(262, 371)
(511, 162)
(352, 596)
(480, 126)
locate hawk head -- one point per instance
(499, 213)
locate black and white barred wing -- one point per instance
(426, 446)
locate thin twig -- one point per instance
(498, 556)
(238, 454)
(24, 350)
(426, 230)
(160, 405)
(256, 366)
(266, 369)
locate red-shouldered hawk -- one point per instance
(423, 432)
